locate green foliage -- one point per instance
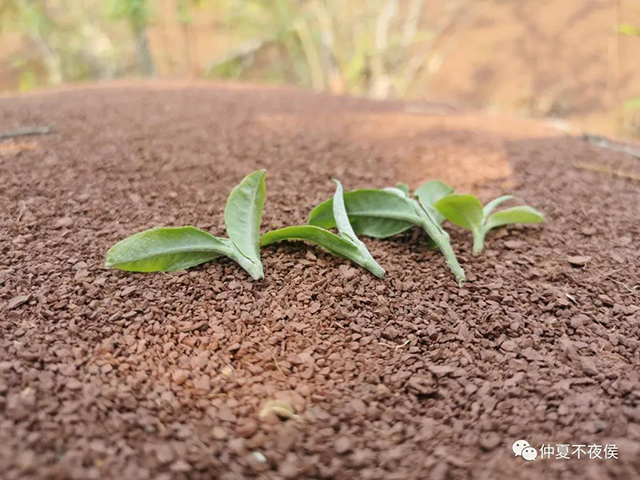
(169, 249)
(462, 210)
(29, 17)
(511, 216)
(243, 215)
(346, 244)
(495, 203)
(166, 250)
(429, 193)
(372, 212)
(404, 188)
(136, 12)
(267, 24)
(324, 238)
(184, 10)
(72, 42)
(632, 104)
(377, 48)
(629, 30)
(28, 80)
(387, 212)
(229, 69)
(467, 212)
(346, 231)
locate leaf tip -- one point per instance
(258, 273)
(379, 272)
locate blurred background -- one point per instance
(576, 61)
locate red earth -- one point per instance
(107, 374)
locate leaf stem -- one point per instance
(478, 242)
(441, 238)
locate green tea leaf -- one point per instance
(462, 210)
(346, 232)
(243, 214)
(401, 189)
(432, 191)
(346, 245)
(514, 215)
(395, 191)
(340, 215)
(379, 227)
(429, 193)
(326, 239)
(380, 214)
(430, 222)
(321, 237)
(404, 188)
(166, 250)
(373, 213)
(493, 204)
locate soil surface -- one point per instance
(107, 374)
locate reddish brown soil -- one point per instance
(106, 374)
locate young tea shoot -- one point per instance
(387, 212)
(170, 249)
(429, 193)
(346, 244)
(467, 212)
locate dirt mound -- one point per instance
(113, 375)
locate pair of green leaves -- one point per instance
(170, 249)
(467, 212)
(346, 244)
(386, 212)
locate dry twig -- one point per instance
(26, 131)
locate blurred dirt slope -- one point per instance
(540, 57)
